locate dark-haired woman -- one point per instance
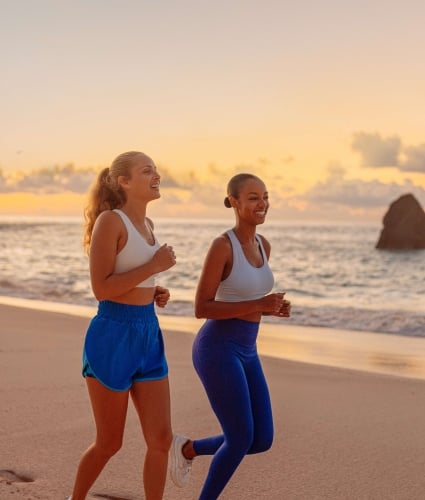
(123, 353)
(233, 292)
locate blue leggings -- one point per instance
(226, 360)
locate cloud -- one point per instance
(201, 192)
(377, 151)
(336, 171)
(58, 179)
(413, 159)
(336, 190)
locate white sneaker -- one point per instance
(180, 467)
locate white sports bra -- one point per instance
(245, 282)
(136, 251)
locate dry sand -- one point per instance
(340, 434)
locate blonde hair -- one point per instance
(106, 192)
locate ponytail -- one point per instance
(106, 193)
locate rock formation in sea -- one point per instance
(404, 225)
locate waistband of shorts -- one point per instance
(116, 310)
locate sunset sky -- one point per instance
(324, 99)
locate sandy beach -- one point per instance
(351, 430)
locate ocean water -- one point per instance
(331, 273)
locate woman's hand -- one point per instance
(285, 310)
(161, 296)
(274, 304)
(164, 258)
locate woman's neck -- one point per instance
(136, 212)
(245, 234)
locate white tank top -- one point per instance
(245, 281)
(136, 251)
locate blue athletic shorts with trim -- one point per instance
(123, 345)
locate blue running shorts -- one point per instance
(123, 345)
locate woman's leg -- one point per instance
(260, 406)
(261, 409)
(227, 389)
(261, 412)
(110, 411)
(152, 402)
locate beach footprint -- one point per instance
(9, 477)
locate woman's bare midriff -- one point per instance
(136, 297)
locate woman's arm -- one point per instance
(108, 238)
(285, 309)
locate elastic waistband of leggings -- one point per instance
(239, 330)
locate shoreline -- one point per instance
(381, 353)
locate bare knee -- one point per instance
(108, 448)
(160, 442)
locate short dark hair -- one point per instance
(234, 186)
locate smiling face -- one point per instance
(144, 179)
(252, 201)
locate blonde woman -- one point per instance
(123, 352)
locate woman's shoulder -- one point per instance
(108, 215)
(263, 239)
(221, 243)
(223, 240)
(265, 243)
(109, 218)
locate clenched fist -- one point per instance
(164, 258)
